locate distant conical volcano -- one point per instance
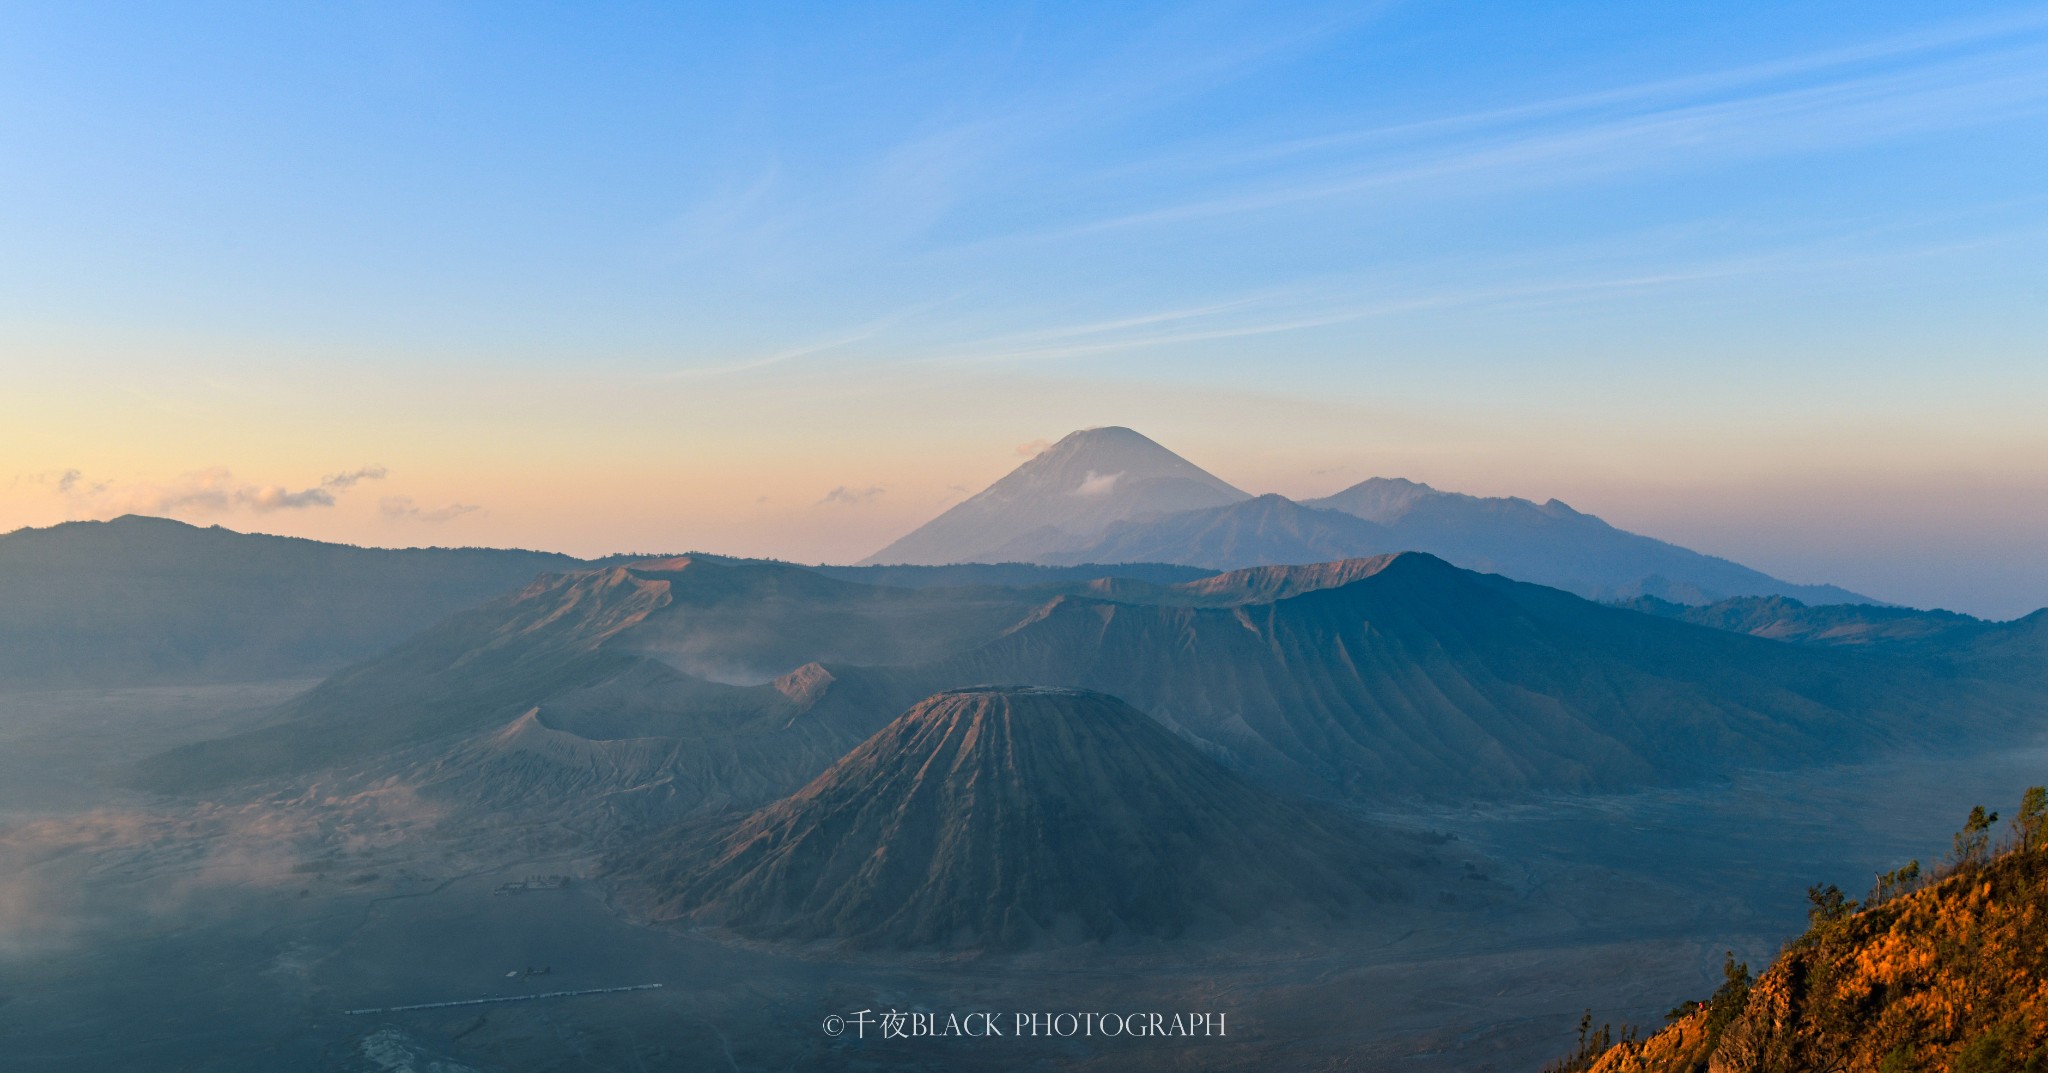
(1109, 495)
(1005, 817)
(1064, 498)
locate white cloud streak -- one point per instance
(206, 491)
(1597, 134)
(403, 508)
(1325, 303)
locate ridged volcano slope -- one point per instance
(707, 621)
(1405, 675)
(1374, 678)
(1004, 817)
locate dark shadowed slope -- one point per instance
(2014, 651)
(748, 622)
(695, 619)
(1064, 497)
(644, 742)
(139, 600)
(1846, 625)
(1943, 641)
(1418, 677)
(463, 674)
(1374, 678)
(1003, 817)
(1552, 544)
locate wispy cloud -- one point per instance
(1925, 42)
(1097, 484)
(1333, 301)
(206, 491)
(350, 479)
(69, 483)
(1265, 320)
(972, 154)
(402, 508)
(1126, 323)
(962, 148)
(849, 496)
(851, 337)
(1676, 123)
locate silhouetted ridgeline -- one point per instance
(150, 600)
(1785, 619)
(1941, 973)
(1942, 640)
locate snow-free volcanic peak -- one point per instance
(1000, 817)
(1063, 498)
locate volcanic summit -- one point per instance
(1005, 817)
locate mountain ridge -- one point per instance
(1578, 551)
(1367, 679)
(149, 600)
(1031, 514)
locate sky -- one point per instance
(1769, 280)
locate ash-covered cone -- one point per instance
(1003, 817)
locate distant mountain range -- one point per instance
(143, 600)
(1368, 679)
(982, 756)
(761, 747)
(618, 653)
(1957, 644)
(152, 601)
(149, 600)
(1110, 495)
(1845, 625)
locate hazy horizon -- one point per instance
(247, 508)
(1090, 715)
(1760, 281)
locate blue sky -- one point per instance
(1765, 279)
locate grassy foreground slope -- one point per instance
(1948, 978)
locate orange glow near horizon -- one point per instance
(617, 460)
